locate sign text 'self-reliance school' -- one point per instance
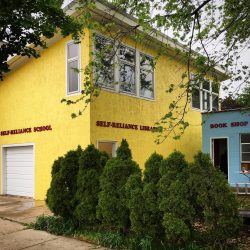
(26, 130)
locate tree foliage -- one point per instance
(24, 26)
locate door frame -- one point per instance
(212, 152)
(3, 156)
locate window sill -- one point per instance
(127, 94)
(73, 94)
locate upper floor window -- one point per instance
(73, 62)
(123, 69)
(205, 96)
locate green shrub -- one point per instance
(61, 194)
(215, 205)
(112, 206)
(54, 225)
(152, 169)
(136, 204)
(152, 216)
(91, 165)
(173, 199)
(124, 152)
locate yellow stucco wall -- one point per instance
(115, 107)
(30, 96)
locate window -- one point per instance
(107, 146)
(245, 152)
(129, 72)
(73, 77)
(205, 96)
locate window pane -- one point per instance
(206, 101)
(127, 54)
(104, 72)
(146, 62)
(245, 157)
(245, 166)
(146, 84)
(73, 50)
(215, 87)
(73, 76)
(245, 148)
(196, 98)
(215, 102)
(206, 85)
(104, 76)
(127, 78)
(245, 138)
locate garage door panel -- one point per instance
(27, 176)
(20, 183)
(20, 150)
(19, 157)
(19, 171)
(17, 191)
(20, 164)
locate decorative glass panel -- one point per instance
(215, 102)
(127, 78)
(73, 76)
(73, 50)
(196, 98)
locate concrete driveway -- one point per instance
(23, 210)
(15, 212)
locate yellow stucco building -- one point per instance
(36, 128)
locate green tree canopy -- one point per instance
(24, 26)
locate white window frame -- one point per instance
(208, 92)
(114, 145)
(244, 143)
(68, 60)
(116, 88)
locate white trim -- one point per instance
(3, 155)
(212, 156)
(78, 58)
(114, 148)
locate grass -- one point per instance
(101, 236)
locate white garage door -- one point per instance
(19, 171)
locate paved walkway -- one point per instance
(14, 235)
